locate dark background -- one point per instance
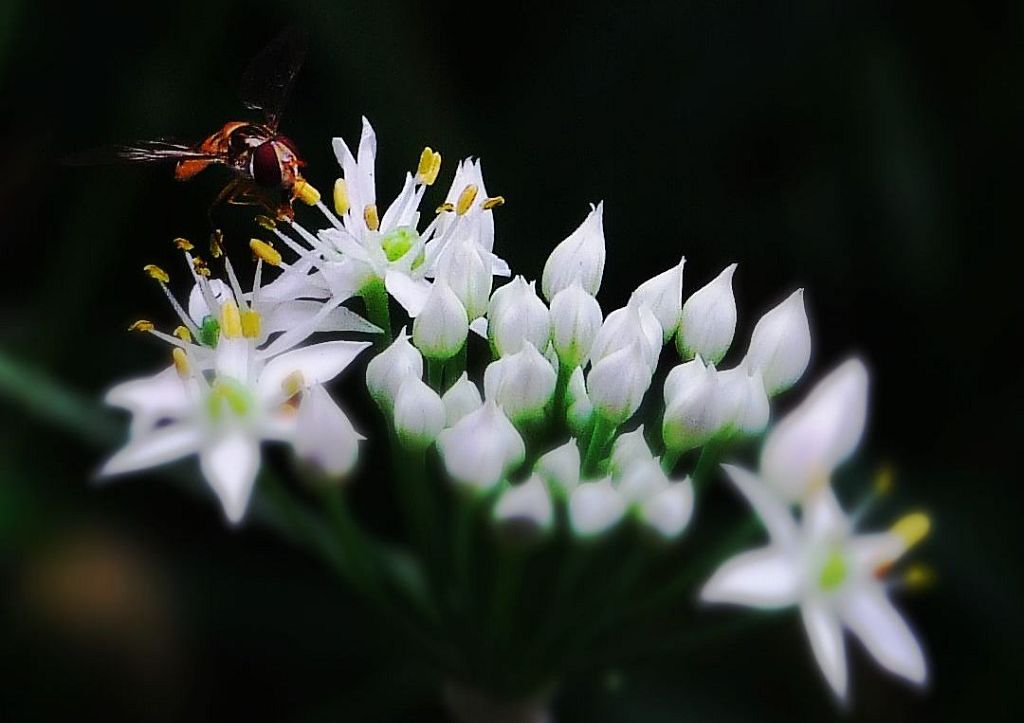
(865, 151)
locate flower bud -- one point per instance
(462, 398)
(692, 416)
(575, 320)
(386, 371)
(681, 376)
(742, 401)
(579, 258)
(525, 509)
(595, 507)
(628, 449)
(709, 320)
(580, 409)
(633, 322)
(617, 383)
(516, 315)
(668, 512)
(522, 384)
(441, 328)
(663, 294)
(642, 479)
(560, 467)
(802, 450)
(780, 345)
(419, 414)
(481, 448)
(468, 272)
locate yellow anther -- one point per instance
(141, 325)
(370, 216)
(183, 244)
(918, 577)
(180, 361)
(466, 199)
(250, 323)
(493, 202)
(306, 193)
(293, 383)
(217, 243)
(183, 333)
(200, 267)
(266, 222)
(341, 203)
(429, 166)
(445, 208)
(230, 320)
(912, 528)
(265, 251)
(155, 272)
(884, 479)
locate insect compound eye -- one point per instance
(265, 166)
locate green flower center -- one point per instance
(833, 571)
(209, 331)
(397, 243)
(228, 394)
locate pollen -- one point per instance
(180, 361)
(155, 272)
(306, 193)
(265, 251)
(445, 208)
(884, 480)
(183, 244)
(266, 222)
(230, 320)
(466, 199)
(341, 203)
(370, 217)
(200, 267)
(250, 323)
(429, 166)
(493, 202)
(141, 325)
(912, 528)
(217, 243)
(183, 333)
(293, 383)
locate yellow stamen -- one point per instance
(230, 320)
(493, 202)
(155, 272)
(370, 216)
(918, 577)
(180, 361)
(250, 323)
(217, 243)
(429, 166)
(141, 325)
(912, 528)
(445, 208)
(341, 204)
(183, 333)
(466, 199)
(306, 193)
(883, 480)
(293, 383)
(200, 267)
(265, 251)
(183, 244)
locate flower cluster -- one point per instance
(535, 401)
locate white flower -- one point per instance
(682, 376)
(709, 319)
(481, 448)
(802, 450)
(634, 322)
(819, 565)
(627, 449)
(466, 270)
(668, 511)
(595, 507)
(580, 409)
(617, 384)
(441, 328)
(641, 479)
(579, 258)
(742, 401)
(462, 398)
(419, 413)
(386, 371)
(664, 295)
(522, 384)
(780, 345)
(560, 467)
(575, 321)
(692, 415)
(516, 315)
(527, 505)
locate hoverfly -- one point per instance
(265, 164)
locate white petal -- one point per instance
(324, 433)
(318, 364)
(768, 577)
(885, 634)
(826, 636)
(669, 511)
(774, 514)
(162, 394)
(870, 552)
(823, 518)
(197, 306)
(290, 314)
(160, 446)
(595, 507)
(409, 292)
(479, 326)
(230, 465)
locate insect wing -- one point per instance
(269, 78)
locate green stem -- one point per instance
(435, 374)
(454, 367)
(375, 296)
(603, 431)
(561, 390)
(706, 464)
(669, 461)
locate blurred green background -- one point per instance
(869, 151)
